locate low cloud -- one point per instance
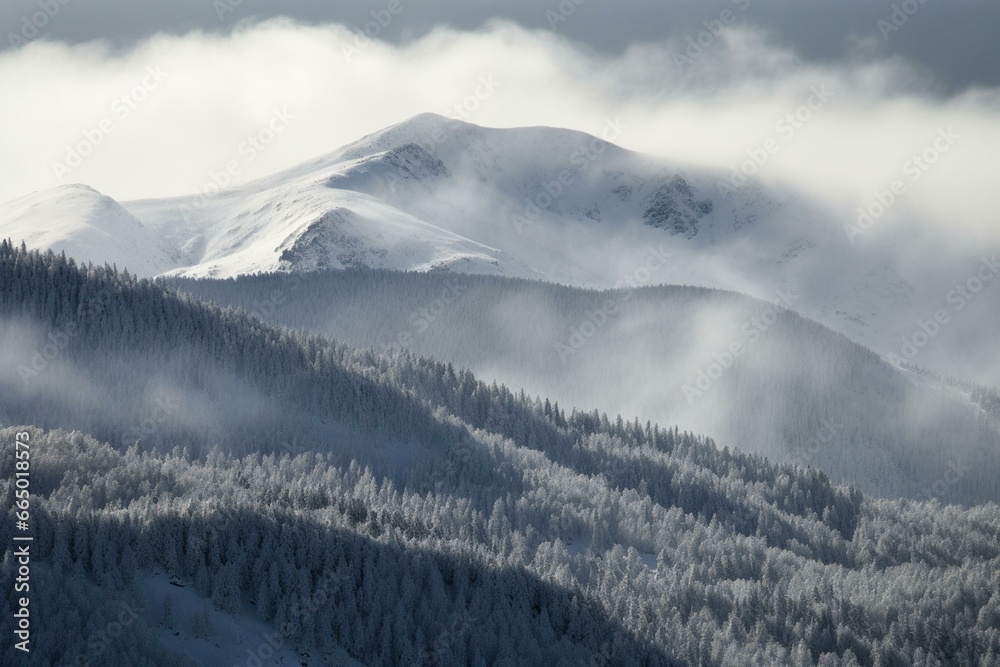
(705, 109)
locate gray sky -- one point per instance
(171, 95)
(953, 39)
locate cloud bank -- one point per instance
(169, 115)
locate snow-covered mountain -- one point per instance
(429, 193)
(433, 193)
(206, 487)
(87, 226)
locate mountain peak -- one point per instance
(424, 129)
(428, 118)
(88, 225)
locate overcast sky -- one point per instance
(162, 95)
(954, 39)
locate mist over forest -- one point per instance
(444, 334)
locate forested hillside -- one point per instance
(403, 511)
(797, 392)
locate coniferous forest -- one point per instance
(580, 333)
(394, 509)
(800, 393)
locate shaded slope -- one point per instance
(797, 392)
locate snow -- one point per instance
(241, 639)
(87, 226)
(436, 194)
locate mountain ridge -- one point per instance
(438, 194)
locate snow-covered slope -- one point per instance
(87, 226)
(432, 193)
(303, 228)
(174, 609)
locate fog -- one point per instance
(212, 92)
(48, 377)
(792, 390)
